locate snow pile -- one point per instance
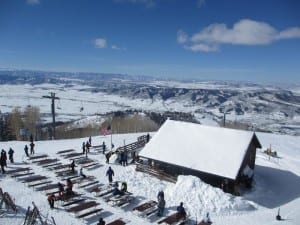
(199, 197)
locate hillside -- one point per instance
(254, 106)
(276, 185)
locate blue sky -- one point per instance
(205, 39)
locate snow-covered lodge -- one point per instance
(219, 156)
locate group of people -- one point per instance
(180, 209)
(61, 191)
(123, 158)
(161, 203)
(31, 149)
(73, 165)
(3, 158)
(86, 146)
(121, 191)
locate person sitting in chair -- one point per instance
(116, 191)
(81, 173)
(124, 187)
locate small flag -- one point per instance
(106, 131)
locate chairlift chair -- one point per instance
(81, 107)
(58, 105)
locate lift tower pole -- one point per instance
(53, 98)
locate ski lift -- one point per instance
(58, 105)
(81, 107)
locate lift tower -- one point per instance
(53, 98)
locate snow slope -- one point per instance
(277, 184)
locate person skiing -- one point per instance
(11, 155)
(110, 173)
(32, 148)
(101, 221)
(26, 150)
(161, 206)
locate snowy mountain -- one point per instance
(264, 107)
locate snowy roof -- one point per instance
(213, 150)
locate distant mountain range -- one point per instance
(268, 107)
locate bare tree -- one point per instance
(32, 119)
(15, 123)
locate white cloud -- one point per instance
(181, 37)
(100, 43)
(114, 47)
(202, 47)
(293, 32)
(147, 3)
(244, 32)
(33, 2)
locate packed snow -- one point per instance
(276, 185)
(204, 152)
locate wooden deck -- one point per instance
(117, 222)
(173, 218)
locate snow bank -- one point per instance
(199, 198)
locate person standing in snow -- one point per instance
(87, 146)
(90, 140)
(160, 195)
(4, 157)
(26, 150)
(72, 165)
(147, 138)
(2, 161)
(83, 148)
(11, 155)
(181, 210)
(103, 147)
(32, 148)
(69, 189)
(110, 173)
(107, 156)
(161, 206)
(51, 199)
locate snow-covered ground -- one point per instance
(277, 184)
(271, 114)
